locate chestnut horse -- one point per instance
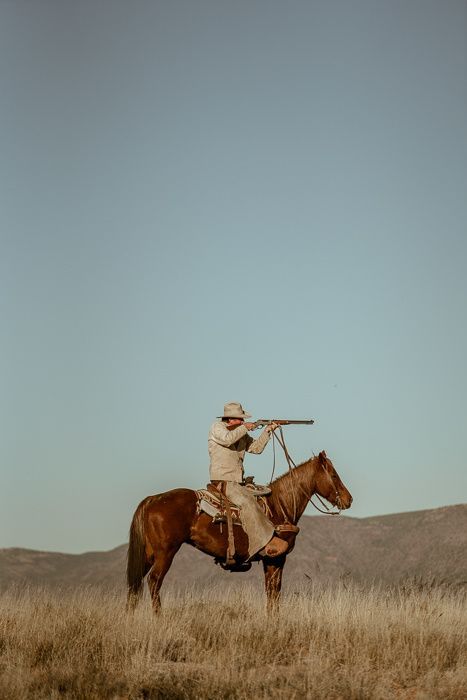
(162, 523)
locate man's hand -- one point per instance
(270, 428)
(250, 426)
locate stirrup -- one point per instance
(236, 566)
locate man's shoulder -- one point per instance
(217, 426)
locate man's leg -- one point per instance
(257, 526)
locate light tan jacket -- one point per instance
(227, 449)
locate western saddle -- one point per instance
(215, 503)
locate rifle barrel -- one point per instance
(285, 422)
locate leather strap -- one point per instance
(225, 503)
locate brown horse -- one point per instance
(162, 523)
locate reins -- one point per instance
(292, 466)
(328, 511)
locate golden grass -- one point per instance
(343, 642)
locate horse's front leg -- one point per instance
(273, 581)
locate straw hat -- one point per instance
(234, 410)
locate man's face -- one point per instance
(235, 421)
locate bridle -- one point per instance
(291, 464)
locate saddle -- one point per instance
(213, 501)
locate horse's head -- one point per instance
(329, 485)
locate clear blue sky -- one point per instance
(206, 201)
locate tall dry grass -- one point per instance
(343, 642)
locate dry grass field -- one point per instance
(346, 642)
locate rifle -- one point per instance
(261, 422)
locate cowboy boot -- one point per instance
(274, 548)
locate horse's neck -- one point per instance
(292, 491)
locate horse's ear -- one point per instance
(322, 456)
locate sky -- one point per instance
(205, 201)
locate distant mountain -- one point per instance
(424, 544)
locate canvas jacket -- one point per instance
(227, 449)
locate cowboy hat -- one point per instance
(234, 410)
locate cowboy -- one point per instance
(227, 443)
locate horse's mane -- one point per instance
(289, 491)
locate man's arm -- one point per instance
(258, 445)
(222, 436)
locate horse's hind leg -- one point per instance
(157, 574)
(134, 593)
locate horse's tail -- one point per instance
(136, 561)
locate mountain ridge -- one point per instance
(429, 543)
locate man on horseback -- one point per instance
(163, 522)
(227, 443)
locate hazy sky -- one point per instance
(206, 201)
